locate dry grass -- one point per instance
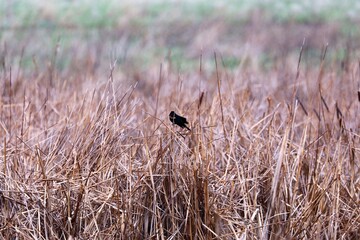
(270, 156)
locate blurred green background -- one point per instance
(140, 34)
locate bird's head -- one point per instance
(172, 116)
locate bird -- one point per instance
(178, 120)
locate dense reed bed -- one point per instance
(271, 154)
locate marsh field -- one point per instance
(271, 90)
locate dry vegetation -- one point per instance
(271, 155)
(261, 161)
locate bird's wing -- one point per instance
(183, 119)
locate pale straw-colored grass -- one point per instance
(101, 160)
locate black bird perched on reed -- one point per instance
(178, 120)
